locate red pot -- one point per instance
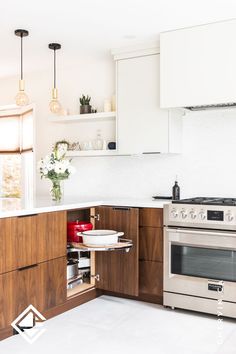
(73, 227)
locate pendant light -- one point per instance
(21, 98)
(55, 106)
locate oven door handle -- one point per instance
(199, 232)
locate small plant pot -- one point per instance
(85, 109)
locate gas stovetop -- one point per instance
(207, 201)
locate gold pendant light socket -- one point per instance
(54, 94)
(21, 85)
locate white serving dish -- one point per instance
(100, 237)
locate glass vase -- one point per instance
(56, 191)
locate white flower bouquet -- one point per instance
(56, 168)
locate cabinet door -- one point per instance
(6, 299)
(142, 125)
(118, 270)
(151, 278)
(51, 235)
(17, 242)
(151, 244)
(53, 283)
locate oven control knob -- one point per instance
(202, 215)
(174, 213)
(193, 215)
(229, 217)
(183, 214)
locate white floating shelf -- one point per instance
(87, 153)
(77, 118)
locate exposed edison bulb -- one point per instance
(55, 106)
(21, 98)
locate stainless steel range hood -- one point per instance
(212, 107)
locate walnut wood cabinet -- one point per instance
(43, 285)
(138, 273)
(17, 242)
(6, 299)
(33, 260)
(118, 270)
(151, 254)
(31, 239)
(151, 244)
(152, 217)
(151, 278)
(32, 263)
(51, 235)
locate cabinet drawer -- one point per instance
(151, 278)
(151, 244)
(31, 239)
(51, 235)
(42, 285)
(17, 242)
(152, 217)
(6, 295)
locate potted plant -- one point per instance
(61, 148)
(85, 106)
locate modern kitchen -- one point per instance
(117, 177)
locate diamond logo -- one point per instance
(29, 324)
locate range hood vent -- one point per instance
(212, 107)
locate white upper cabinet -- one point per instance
(198, 65)
(142, 127)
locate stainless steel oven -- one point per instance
(200, 260)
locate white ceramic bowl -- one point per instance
(100, 237)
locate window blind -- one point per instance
(16, 132)
(27, 131)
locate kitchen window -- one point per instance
(16, 154)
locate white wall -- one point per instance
(206, 167)
(93, 76)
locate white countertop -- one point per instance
(15, 207)
(139, 203)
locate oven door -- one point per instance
(200, 263)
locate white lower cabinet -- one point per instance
(142, 127)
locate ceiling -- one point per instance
(88, 28)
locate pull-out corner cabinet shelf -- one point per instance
(122, 245)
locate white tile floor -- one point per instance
(113, 325)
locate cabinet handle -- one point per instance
(27, 267)
(151, 153)
(26, 216)
(96, 276)
(121, 208)
(96, 217)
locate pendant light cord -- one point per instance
(54, 68)
(21, 57)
